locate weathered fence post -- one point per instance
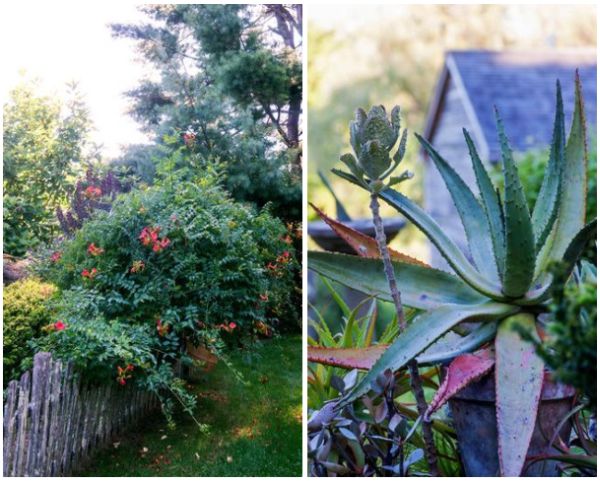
(52, 423)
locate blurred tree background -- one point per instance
(364, 55)
(46, 142)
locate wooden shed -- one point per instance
(521, 84)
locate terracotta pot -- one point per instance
(207, 359)
(474, 414)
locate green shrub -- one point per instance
(26, 223)
(175, 262)
(26, 312)
(570, 348)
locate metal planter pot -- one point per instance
(474, 413)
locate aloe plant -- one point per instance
(501, 289)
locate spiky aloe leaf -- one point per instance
(445, 350)
(578, 244)
(546, 205)
(441, 351)
(451, 252)
(571, 208)
(519, 378)
(519, 241)
(541, 291)
(421, 333)
(463, 370)
(361, 243)
(471, 213)
(349, 358)
(421, 287)
(492, 207)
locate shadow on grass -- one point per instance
(255, 429)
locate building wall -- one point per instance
(449, 141)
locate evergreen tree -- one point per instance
(229, 90)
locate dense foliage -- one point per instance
(570, 348)
(376, 439)
(175, 263)
(371, 437)
(44, 144)
(26, 312)
(233, 98)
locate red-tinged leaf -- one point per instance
(463, 370)
(364, 245)
(519, 379)
(350, 358)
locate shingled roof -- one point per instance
(522, 85)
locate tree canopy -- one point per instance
(45, 142)
(230, 78)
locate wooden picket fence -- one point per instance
(52, 422)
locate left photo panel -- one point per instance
(152, 240)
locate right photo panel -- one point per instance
(452, 267)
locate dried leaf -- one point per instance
(364, 245)
(463, 370)
(360, 358)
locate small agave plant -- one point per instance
(477, 316)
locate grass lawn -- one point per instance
(255, 430)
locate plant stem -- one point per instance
(415, 380)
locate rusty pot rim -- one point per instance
(484, 390)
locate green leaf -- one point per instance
(421, 333)
(421, 287)
(449, 250)
(571, 209)
(541, 290)
(341, 212)
(337, 298)
(578, 244)
(519, 378)
(518, 235)
(491, 205)
(347, 336)
(436, 235)
(371, 322)
(546, 205)
(472, 214)
(446, 350)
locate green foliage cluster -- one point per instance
(26, 311)
(44, 143)
(230, 89)
(344, 455)
(174, 263)
(570, 349)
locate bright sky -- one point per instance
(62, 42)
